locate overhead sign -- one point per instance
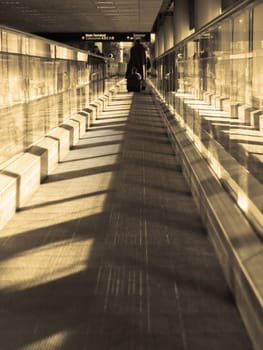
(98, 37)
(115, 36)
(75, 37)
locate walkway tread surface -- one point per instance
(111, 254)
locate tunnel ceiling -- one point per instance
(54, 16)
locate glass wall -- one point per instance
(217, 95)
(223, 60)
(241, 59)
(42, 84)
(257, 67)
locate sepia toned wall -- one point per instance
(206, 11)
(182, 15)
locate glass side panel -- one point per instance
(257, 79)
(38, 47)
(223, 50)
(42, 85)
(217, 96)
(12, 83)
(240, 59)
(13, 43)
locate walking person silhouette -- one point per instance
(137, 61)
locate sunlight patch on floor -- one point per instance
(52, 342)
(44, 264)
(62, 205)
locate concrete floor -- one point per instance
(111, 254)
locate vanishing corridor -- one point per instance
(111, 254)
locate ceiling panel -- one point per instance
(53, 16)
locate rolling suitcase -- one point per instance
(134, 82)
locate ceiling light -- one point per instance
(106, 7)
(10, 2)
(109, 11)
(105, 4)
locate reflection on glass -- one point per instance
(241, 89)
(43, 84)
(257, 77)
(217, 96)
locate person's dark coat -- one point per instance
(137, 59)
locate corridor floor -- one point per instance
(111, 254)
